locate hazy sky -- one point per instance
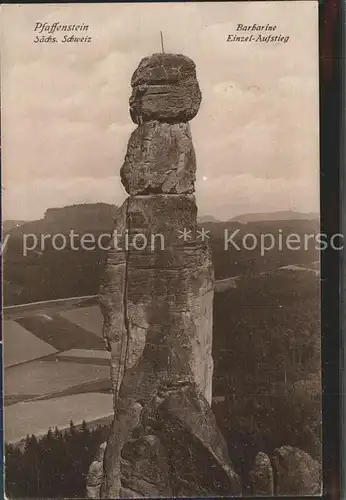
(65, 120)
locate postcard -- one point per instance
(161, 249)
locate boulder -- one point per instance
(160, 158)
(197, 452)
(261, 476)
(165, 88)
(296, 472)
(95, 474)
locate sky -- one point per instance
(65, 120)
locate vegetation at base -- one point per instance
(54, 466)
(267, 356)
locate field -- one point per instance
(38, 416)
(56, 369)
(85, 353)
(45, 377)
(20, 345)
(59, 332)
(89, 318)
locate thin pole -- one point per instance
(162, 49)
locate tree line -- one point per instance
(54, 466)
(267, 365)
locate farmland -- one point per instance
(89, 318)
(85, 353)
(20, 345)
(36, 417)
(44, 377)
(59, 332)
(56, 369)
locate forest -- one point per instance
(267, 364)
(54, 466)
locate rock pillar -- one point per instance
(156, 296)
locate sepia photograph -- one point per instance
(161, 250)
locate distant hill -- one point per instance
(72, 272)
(7, 225)
(274, 216)
(82, 218)
(207, 218)
(235, 262)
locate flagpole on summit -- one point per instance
(162, 49)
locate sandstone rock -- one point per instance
(167, 309)
(160, 158)
(261, 476)
(176, 449)
(127, 493)
(144, 467)
(168, 292)
(168, 215)
(111, 298)
(166, 338)
(95, 474)
(198, 456)
(296, 472)
(156, 296)
(165, 88)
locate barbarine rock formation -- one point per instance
(156, 297)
